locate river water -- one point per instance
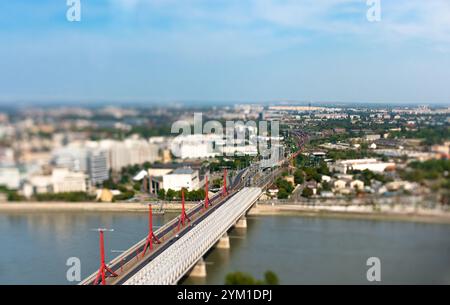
(300, 250)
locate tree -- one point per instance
(271, 278)
(323, 169)
(125, 195)
(283, 184)
(110, 184)
(170, 194)
(326, 186)
(298, 177)
(162, 194)
(241, 278)
(137, 186)
(217, 183)
(307, 192)
(312, 174)
(282, 194)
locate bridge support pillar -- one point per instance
(199, 269)
(241, 223)
(224, 242)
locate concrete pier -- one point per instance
(224, 242)
(199, 269)
(241, 223)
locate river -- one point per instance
(300, 250)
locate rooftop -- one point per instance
(183, 171)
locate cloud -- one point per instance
(401, 19)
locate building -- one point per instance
(37, 184)
(155, 179)
(196, 146)
(347, 186)
(10, 177)
(86, 158)
(72, 157)
(250, 150)
(98, 166)
(166, 156)
(373, 165)
(64, 181)
(106, 195)
(326, 178)
(357, 185)
(130, 152)
(441, 149)
(340, 184)
(7, 156)
(182, 178)
(372, 137)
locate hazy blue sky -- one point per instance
(320, 50)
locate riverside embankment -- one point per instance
(85, 206)
(380, 212)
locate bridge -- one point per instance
(178, 247)
(174, 263)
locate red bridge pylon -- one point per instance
(101, 275)
(183, 216)
(206, 194)
(151, 236)
(225, 190)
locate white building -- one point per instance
(140, 151)
(361, 164)
(250, 150)
(347, 185)
(76, 156)
(64, 181)
(130, 152)
(37, 184)
(196, 146)
(372, 137)
(182, 178)
(7, 156)
(10, 177)
(72, 157)
(357, 185)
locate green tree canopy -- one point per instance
(242, 278)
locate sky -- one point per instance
(225, 50)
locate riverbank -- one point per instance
(84, 207)
(397, 213)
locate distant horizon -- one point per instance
(92, 103)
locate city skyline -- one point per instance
(148, 50)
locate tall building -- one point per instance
(87, 159)
(98, 166)
(129, 152)
(71, 157)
